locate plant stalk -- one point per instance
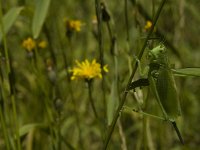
(111, 129)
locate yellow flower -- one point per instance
(105, 68)
(29, 44)
(42, 44)
(74, 25)
(87, 70)
(148, 25)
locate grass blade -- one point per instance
(39, 16)
(112, 102)
(121, 104)
(9, 19)
(187, 72)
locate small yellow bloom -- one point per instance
(42, 44)
(105, 68)
(74, 25)
(29, 44)
(87, 70)
(148, 25)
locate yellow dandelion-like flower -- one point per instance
(148, 25)
(87, 70)
(74, 25)
(42, 44)
(29, 44)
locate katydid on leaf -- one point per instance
(162, 83)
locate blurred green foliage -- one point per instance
(55, 113)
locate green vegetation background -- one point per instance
(58, 115)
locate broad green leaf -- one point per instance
(26, 128)
(112, 102)
(9, 19)
(41, 10)
(187, 72)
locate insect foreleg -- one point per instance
(144, 71)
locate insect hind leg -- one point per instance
(138, 83)
(177, 131)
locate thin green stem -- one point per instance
(150, 115)
(128, 109)
(76, 115)
(47, 100)
(111, 38)
(153, 8)
(122, 135)
(109, 31)
(67, 64)
(16, 123)
(59, 141)
(50, 121)
(126, 19)
(9, 73)
(99, 19)
(57, 105)
(71, 54)
(2, 117)
(50, 42)
(116, 115)
(4, 40)
(145, 142)
(101, 54)
(3, 125)
(91, 99)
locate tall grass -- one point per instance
(43, 107)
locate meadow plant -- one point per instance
(72, 77)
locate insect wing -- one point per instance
(167, 92)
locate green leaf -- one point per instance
(112, 102)
(26, 128)
(40, 14)
(187, 72)
(9, 19)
